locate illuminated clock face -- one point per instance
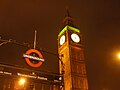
(75, 37)
(62, 40)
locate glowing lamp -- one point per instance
(22, 81)
(118, 55)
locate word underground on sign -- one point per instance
(33, 57)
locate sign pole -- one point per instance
(35, 39)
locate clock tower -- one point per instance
(71, 52)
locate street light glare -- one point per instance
(22, 81)
(118, 55)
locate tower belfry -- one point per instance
(70, 47)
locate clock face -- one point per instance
(75, 37)
(62, 40)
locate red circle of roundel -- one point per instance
(28, 60)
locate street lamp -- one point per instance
(118, 55)
(22, 82)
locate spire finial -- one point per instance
(67, 9)
(68, 20)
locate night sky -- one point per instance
(98, 21)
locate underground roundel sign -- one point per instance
(33, 58)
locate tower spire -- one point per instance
(68, 20)
(68, 13)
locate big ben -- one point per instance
(71, 51)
